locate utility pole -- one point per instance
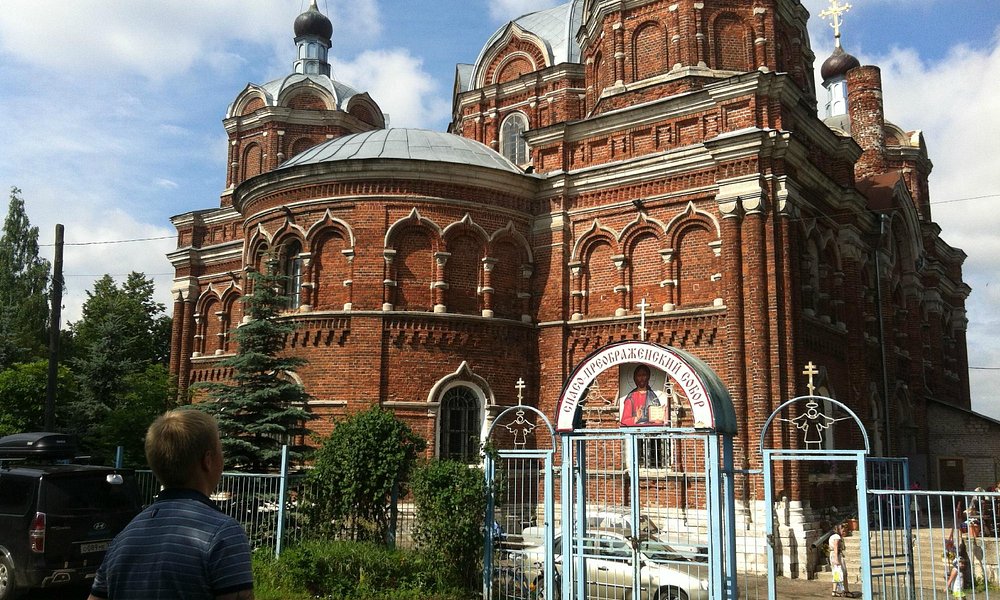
(54, 318)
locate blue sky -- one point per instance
(111, 112)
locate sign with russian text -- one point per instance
(684, 375)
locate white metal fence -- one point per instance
(279, 509)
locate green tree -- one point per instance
(262, 407)
(358, 467)
(118, 358)
(24, 281)
(22, 395)
(450, 497)
(142, 323)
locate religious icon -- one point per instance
(643, 404)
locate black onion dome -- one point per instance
(313, 22)
(838, 64)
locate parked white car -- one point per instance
(612, 564)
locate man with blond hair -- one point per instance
(181, 546)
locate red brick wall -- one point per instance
(330, 270)
(414, 270)
(462, 269)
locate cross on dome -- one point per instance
(836, 13)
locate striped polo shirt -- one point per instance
(181, 546)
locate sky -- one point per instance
(112, 112)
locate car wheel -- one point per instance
(8, 588)
(670, 593)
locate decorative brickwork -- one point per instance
(677, 158)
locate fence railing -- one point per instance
(916, 536)
(279, 509)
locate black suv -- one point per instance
(56, 518)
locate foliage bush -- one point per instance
(450, 499)
(357, 469)
(350, 571)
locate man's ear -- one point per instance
(206, 460)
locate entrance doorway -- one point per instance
(951, 474)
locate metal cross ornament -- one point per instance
(836, 13)
(520, 390)
(642, 306)
(811, 371)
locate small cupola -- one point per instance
(835, 68)
(313, 38)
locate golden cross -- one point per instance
(520, 390)
(810, 371)
(836, 12)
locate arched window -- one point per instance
(512, 144)
(460, 425)
(291, 268)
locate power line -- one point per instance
(170, 237)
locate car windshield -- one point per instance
(660, 552)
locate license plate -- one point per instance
(93, 547)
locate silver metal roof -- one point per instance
(556, 27)
(272, 90)
(404, 144)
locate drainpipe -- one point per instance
(886, 403)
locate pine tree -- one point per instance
(262, 408)
(24, 281)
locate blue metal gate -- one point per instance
(633, 509)
(815, 417)
(521, 447)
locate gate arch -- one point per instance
(804, 414)
(645, 507)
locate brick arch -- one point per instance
(507, 277)
(513, 67)
(302, 144)
(597, 75)
(306, 100)
(645, 265)
(413, 267)
(466, 242)
(258, 243)
(330, 268)
(253, 160)
(463, 271)
(519, 44)
(831, 281)
(599, 275)
(361, 113)
(252, 105)
(365, 109)
(649, 50)
(732, 43)
(209, 327)
(695, 265)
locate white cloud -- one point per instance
(505, 10)
(166, 184)
(88, 254)
(159, 39)
(398, 82)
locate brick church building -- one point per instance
(601, 155)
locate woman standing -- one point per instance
(838, 564)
